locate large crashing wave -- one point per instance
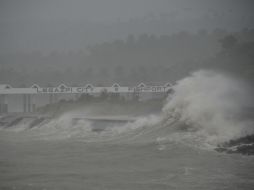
(206, 109)
(212, 106)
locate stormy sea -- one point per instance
(202, 138)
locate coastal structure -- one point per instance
(28, 94)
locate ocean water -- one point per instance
(73, 164)
(173, 149)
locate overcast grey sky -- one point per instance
(63, 24)
(110, 10)
(92, 10)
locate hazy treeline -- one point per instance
(146, 58)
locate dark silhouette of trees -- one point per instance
(228, 42)
(139, 58)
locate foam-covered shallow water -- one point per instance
(183, 147)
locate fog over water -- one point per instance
(173, 148)
(198, 134)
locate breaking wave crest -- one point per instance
(212, 104)
(206, 109)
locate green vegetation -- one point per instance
(146, 58)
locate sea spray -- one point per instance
(210, 104)
(205, 109)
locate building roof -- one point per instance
(5, 86)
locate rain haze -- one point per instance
(117, 94)
(71, 25)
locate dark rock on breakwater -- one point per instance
(243, 145)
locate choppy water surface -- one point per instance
(70, 164)
(174, 149)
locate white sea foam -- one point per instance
(209, 104)
(204, 110)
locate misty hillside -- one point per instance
(147, 58)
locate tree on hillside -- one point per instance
(228, 42)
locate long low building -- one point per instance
(89, 88)
(36, 96)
